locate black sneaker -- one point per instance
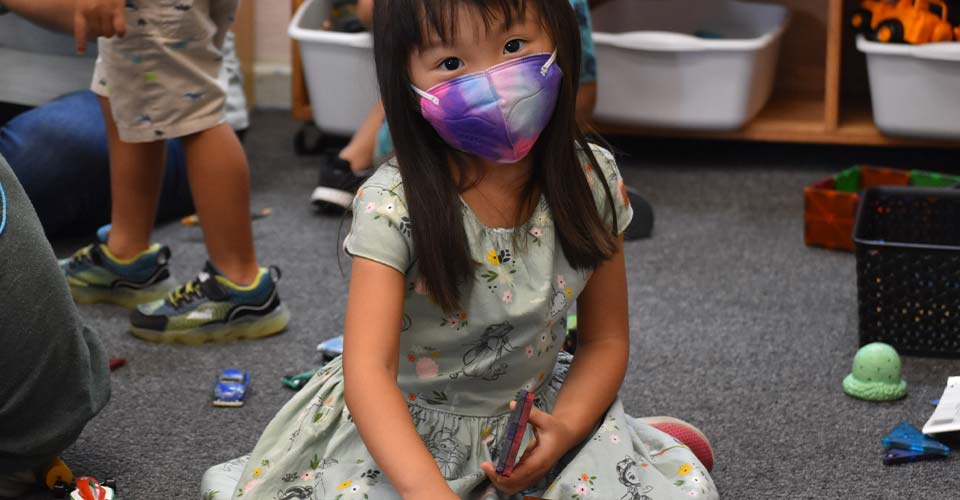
(642, 224)
(338, 185)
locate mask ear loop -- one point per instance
(430, 97)
(436, 100)
(546, 65)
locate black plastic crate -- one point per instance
(908, 269)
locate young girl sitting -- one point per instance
(468, 247)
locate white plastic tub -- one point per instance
(915, 89)
(37, 65)
(654, 71)
(338, 68)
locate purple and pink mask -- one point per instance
(499, 113)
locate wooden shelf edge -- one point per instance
(844, 135)
(300, 105)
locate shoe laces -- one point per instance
(83, 255)
(186, 294)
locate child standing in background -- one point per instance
(157, 80)
(468, 248)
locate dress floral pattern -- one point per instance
(459, 372)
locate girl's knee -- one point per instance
(220, 481)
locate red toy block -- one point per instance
(829, 215)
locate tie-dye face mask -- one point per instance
(499, 113)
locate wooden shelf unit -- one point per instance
(820, 93)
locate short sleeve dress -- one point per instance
(459, 372)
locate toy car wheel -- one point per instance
(889, 31)
(112, 484)
(861, 20)
(60, 490)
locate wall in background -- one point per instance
(270, 23)
(272, 53)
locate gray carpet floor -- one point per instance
(736, 326)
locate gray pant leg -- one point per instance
(54, 370)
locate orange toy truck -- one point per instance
(899, 21)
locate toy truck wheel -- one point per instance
(60, 490)
(890, 31)
(861, 20)
(112, 484)
(57, 472)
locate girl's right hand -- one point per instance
(95, 18)
(551, 440)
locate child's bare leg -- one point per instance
(220, 182)
(359, 151)
(136, 177)
(586, 102)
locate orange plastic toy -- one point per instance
(830, 209)
(899, 21)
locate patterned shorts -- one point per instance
(161, 78)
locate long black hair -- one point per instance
(432, 194)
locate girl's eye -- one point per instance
(513, 46)
(451, 64)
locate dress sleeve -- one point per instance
(381, 229)
(607, 167)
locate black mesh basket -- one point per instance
(908, 269)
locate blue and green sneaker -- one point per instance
(95, 275)
(211, 308)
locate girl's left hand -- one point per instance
(551, 439)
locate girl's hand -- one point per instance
(551, 440)
(94, 18)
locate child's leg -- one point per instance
(136, 179)
(687, 434)
(136, 175)
(220, 181)
(220, 481)
(359, 151)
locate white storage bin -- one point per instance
(338, 67)
(915, 89)
(654, 71)
(39, 65)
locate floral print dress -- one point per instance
(459, 372)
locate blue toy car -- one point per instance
(231, 388)
(331, 348)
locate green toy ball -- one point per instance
(876, 374)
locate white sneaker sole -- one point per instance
(125, 297)
(244, 328)
(323, 194)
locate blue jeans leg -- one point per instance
(59, 153)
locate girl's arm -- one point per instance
(370, 354)
(591, 384)
(603, 349)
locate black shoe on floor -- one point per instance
(642, 224)
(337, 187)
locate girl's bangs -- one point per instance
(439, 17)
